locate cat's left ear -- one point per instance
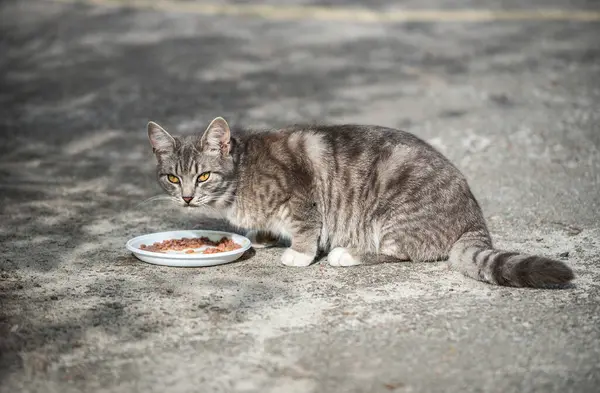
(160, 139)
(217, 138)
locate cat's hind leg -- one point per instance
(342, 256)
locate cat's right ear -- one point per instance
(217, 137)
(160, 139)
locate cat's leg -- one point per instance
(304, 246)
(389, 250)
(342, 256)
(261, 239)
(380, 248)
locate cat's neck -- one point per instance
(232, 212)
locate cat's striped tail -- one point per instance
(474, 256)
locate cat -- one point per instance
(362, 194)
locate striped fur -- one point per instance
(363, 194)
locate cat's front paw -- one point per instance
(340, 256)
(261, 240)
(295, 258)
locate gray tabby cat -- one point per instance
(363, 194)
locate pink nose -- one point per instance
(187, 199)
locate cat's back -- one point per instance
(360, 143)
(343, 134)
(358, 133)
(343, 148)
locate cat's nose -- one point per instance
(187, 199)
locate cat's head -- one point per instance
(198, 170)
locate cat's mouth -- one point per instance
(191, 204)
(188, 201)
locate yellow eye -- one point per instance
(173, 179)
(203, 176)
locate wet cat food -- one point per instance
(189, 244)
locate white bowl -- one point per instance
(180, 258)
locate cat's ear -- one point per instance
(217, 137)
(160, 139)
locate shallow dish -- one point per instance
(180, 258)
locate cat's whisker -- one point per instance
(156, 198)
(205, 205)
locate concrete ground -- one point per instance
(515, 104)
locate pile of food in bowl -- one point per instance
(192, 244)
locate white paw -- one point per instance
(295, 258)
(339, 256)
(260, 241)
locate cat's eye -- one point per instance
(203, 177)
(173, 179)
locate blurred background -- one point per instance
(508, 90)
(501, 87)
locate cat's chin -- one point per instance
(208, 212)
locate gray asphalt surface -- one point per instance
(515, 104)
